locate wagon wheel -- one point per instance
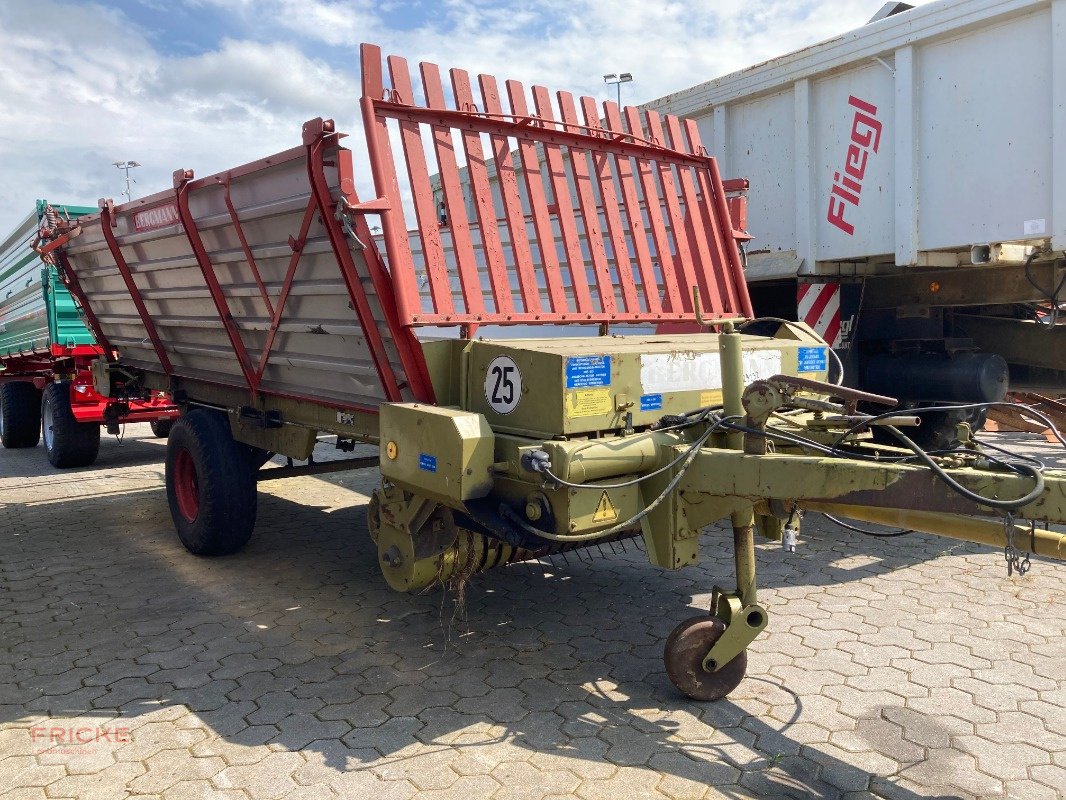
(685, 649)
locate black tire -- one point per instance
(69, 443)
(20, 414)
(210, 485)
(161, 427)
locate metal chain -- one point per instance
(1011, 554)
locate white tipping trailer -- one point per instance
(902, 175)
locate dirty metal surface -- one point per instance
(898, 668)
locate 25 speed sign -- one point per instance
(503, 385)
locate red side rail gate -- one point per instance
(498, 206)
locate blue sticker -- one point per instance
(427, 462)
(584, 372)
(813, 359)
(651, 402)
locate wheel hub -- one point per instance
(186, 485)
(47, 426)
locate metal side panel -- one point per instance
(314, 343)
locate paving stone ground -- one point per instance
(896, 668)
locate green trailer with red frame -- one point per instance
(46, 389)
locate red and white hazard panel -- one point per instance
(818, 304)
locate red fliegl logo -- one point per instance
(847, 184)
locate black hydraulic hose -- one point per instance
(955, 486)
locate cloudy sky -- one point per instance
(210, 84)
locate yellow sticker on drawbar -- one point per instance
(589, 403)
(605, 510)
(710, 399)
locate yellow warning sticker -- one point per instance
(605, 510)
(710, 399)
(589, 403)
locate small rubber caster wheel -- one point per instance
(685, 648)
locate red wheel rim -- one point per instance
(186, 487)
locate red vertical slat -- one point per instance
(106, 225)
(455, 205)
(248, 256)
(686, 274)
(393, 227)
(733, 254)
(425, 209)
(700, 237)
(586, 199)
(720, 267)
(631, 202)
(322, 198)
(564, 206)
(675, 302)
(507, 180)
(616, 230)
(192, 233)
(538, 206)
(483, 199)
(283, 295)
(730, 277)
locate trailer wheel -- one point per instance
(161, 427)
(69, 443)
(685, 648)
(210, 485)
(20, 414)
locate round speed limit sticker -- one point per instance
(503, 385)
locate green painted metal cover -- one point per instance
(36, 310)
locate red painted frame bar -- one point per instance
(425, 206)
(286, 286)
(631, 202)
(70, 280)
(590, 214)
(538, 204)
(483, 201)
(615, 229)
(317, 134)
(454, 201)
(515, 218)
(675, 301)
(547, 130)
(739, 283)
(698, 223)
(188, 224)
(107, 222)
(560, 186)
(383, 170)
(236, 220)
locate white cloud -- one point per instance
(81, 86)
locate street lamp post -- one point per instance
(127, 166)
(613, 79)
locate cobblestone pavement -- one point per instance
(902, 668)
